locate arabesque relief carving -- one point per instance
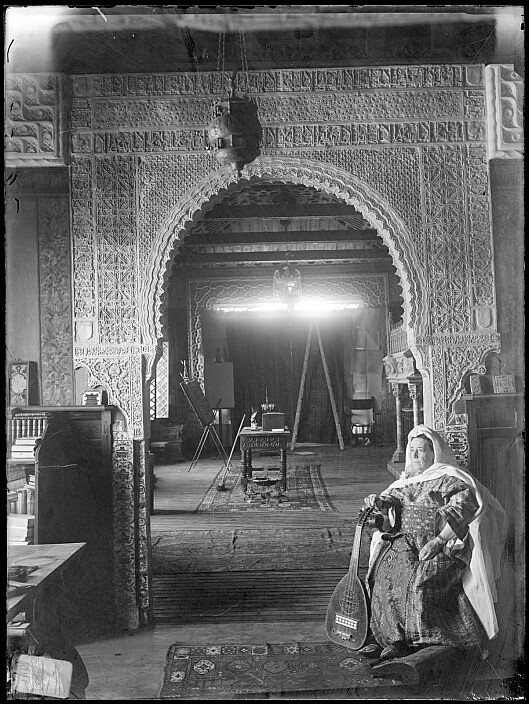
(35, 125)
(55, 302)
(452, 357)
(505, 102)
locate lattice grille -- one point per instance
(162, 383)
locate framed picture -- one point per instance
(504, 384)
(23, 389)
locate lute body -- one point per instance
(347, 621)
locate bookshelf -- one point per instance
(60, 491)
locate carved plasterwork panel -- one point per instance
(480, 233)
(446, 239)
(505, 101)
(370, 290)
(34, 119)
(143, 533)
(84, 251)
(56, 369)
(125, 516)
(120, 369)
(117, 279)
(452, 358)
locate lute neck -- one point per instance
(355, 552)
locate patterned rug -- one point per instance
(192, 551)
(305, 492)
(228, 671)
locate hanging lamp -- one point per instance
(234, 134)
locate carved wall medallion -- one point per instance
(35, 125)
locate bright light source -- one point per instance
(257, 308)
(317, 307)
(306, 307)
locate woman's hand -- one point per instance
(431, 549)
(374, 501)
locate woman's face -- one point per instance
(421, 455)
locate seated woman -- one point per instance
(434, 563)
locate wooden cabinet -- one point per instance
(495, 426)
(72, 476)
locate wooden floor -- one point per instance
(265, 606)
(349, 475)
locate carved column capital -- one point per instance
(396, 389)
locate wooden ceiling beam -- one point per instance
(272, 257)
(298, 237)
(289, 211)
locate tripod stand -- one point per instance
(314, 325)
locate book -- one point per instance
(26, 440)
(480, 384)
(504, 384)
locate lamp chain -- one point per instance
(244, 60)
(221, 53)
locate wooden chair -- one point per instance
(166, 441)
(363, 421)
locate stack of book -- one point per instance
(23, 449)
(22, 500)
(20, 529)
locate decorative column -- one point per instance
(399, 454)
(415, 393)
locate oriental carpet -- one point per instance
(240, 549)
(305, 491)
(232, 671)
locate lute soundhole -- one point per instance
(349, 602)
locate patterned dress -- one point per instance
(422, 602)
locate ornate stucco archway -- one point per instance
(307, 172)
(337, 182)
(406, 146)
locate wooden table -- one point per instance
(263, 440)
(51, 559)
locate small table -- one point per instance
(41, 605)
(51, 560)
(263, 440)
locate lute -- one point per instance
(347, 621)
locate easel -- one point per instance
(314, 324)
(209, 429)
(206, 416)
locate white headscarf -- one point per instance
(487, 530)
